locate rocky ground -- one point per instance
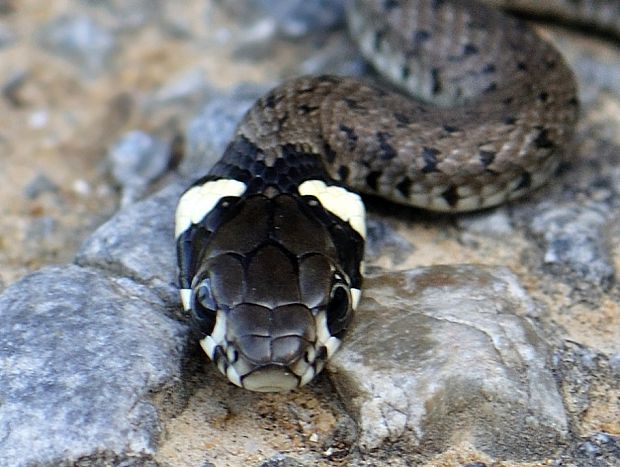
(483, 339)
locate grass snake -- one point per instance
(270, 242)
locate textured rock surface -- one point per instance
(80, 357)
(574, 239)
(172, 70)
(442, 354)
(292, 18)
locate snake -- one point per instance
(475, 110)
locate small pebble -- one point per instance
(81, 187)
(39, 185)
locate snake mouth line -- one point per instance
(271, 376)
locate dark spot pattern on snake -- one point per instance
(351, 136)
(404, 187)
(386, 150)
(430, 159)
(525, 99)
(486, 157)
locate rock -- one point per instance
(138, 243)
(40, 184)
(573, 238)
(291, 18)
(599, 450)
(495, 223)
(382, 238)
(186, 89)
(446, 353)
(211, 130)
(339, 57)
(136, 160)
(82, 41)
(80, 356)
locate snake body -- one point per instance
(270, 242)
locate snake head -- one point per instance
(272, 285)
(273, 346)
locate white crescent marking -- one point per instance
(198, 201)
(339, 201)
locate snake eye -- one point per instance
(204, 306)
(338, 309)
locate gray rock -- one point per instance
(185, 89)
(291, 18)
(494, 223)
(599, 450)
(339, 56)
(80, 356)
(382, 238)
(584, 375)
(138, 243)
(40, 184)
(136, 160)
(573, 239)
(82, 41)
(211, 130)
(445, 353)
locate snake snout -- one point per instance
(262, 351)
(272, 349)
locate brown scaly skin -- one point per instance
(507, 109)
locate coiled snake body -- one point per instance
(270, 242)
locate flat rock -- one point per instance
(80, 356)
(446, 354)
